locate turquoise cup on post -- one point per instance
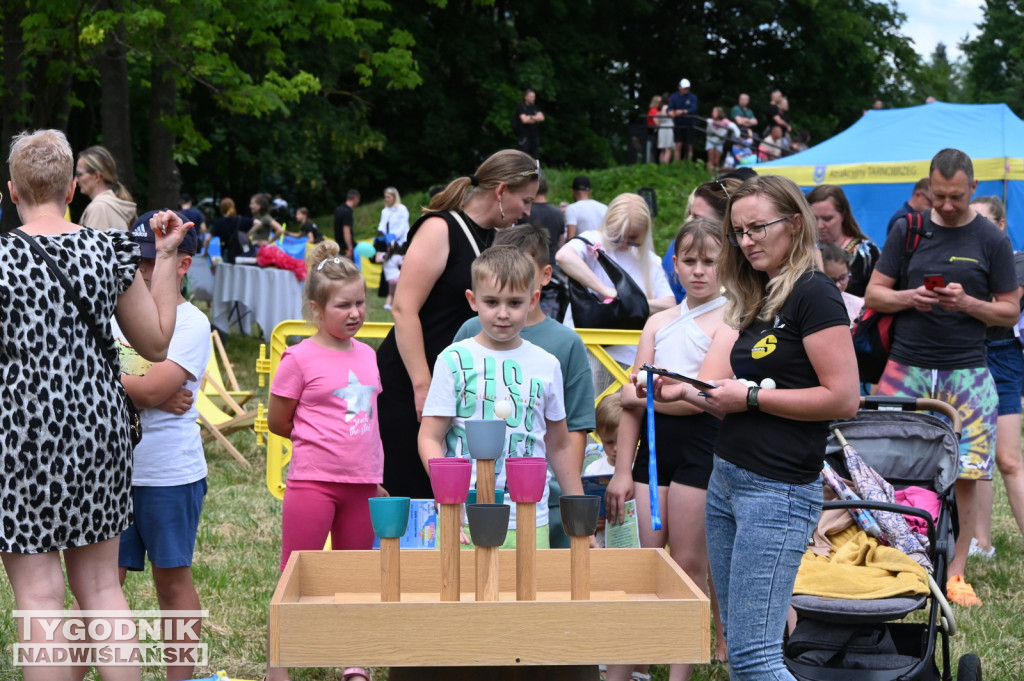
(389, 516)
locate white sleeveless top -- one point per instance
(681, 345)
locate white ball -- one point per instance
(768, 384)
(502, 409)
(641, 377)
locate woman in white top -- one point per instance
(394, 217)
(625, 236)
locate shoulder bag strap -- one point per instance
(465, 229)
(69, 290)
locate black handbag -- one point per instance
(134, 420)
(628, 310)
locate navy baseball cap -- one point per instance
(143, 235)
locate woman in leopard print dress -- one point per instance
(66, 455)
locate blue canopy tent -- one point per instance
(878, 159)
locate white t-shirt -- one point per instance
(171, 450)
(629, 260)
(587, 215)
(394, 220)
(469, 378)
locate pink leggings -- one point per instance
(312, 509)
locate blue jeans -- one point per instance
(757, 532)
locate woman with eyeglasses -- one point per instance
(790, 350)
(430, 300)
(836, 225)
(110, 205)
(625, 236)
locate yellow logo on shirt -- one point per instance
(764, 347)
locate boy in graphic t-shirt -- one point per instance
(495, 365)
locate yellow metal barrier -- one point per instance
(279, 449)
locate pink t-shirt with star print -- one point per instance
(335, 434)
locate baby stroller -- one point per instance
(865, 640)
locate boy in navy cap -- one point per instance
(169, 477)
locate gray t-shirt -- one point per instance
(978, 257)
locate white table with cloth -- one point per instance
(243, 294)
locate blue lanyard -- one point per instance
(652, 462)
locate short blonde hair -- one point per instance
(507, 265)
(608, 413)
(41, 165)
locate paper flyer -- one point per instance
(422, 530)
(625, 535)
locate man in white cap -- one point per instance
(682, 107)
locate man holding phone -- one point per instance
(961, 279)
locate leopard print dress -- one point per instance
(66, 455)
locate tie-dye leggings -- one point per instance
(971, 391)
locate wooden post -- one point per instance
(579, 563)
(486, 573)
(485, 481)
(390, 569)
(526, 552)
(451, 520)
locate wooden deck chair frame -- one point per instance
(217, 370)
(219, 424)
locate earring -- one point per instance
(500, 210)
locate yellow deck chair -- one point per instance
(218, 423)
(214, 384)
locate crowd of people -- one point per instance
(756, 298)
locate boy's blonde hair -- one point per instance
(507, 265)
(608, 413)
(528, 239)
(329, 270)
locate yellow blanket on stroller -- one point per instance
(860, 568)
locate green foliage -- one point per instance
(996, 56)
(941, 78)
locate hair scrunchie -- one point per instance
(473, 181)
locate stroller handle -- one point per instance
(895, 403)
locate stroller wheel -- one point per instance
(969, 668)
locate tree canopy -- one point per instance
(310, 97)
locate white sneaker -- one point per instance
(977, 552)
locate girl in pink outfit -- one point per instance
(324, 398)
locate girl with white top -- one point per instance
(676, 339)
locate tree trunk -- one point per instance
(115, 102)
(11, 108)
(164, 177)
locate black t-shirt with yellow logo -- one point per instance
(782, 449)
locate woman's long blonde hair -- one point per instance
(752, 295)
(625, 211)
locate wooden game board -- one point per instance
(326, 612)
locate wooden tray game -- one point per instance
(327, 612)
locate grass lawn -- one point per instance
(238, 547)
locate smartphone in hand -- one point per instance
(700, 385)
(932, 281)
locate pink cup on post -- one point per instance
(449, 478)
(527, 478)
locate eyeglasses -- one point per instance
(756, 233)
(634, 244)
(841, 278)
(79, 173)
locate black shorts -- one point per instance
(683, 135)
(685, 446)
